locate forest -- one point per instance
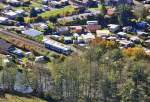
(103, 73)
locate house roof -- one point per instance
(11, 13)
(113, 26)
(4, 45)
(122, 33)
(3, 18)
(102, 32)
(57, 44)
(32, 32)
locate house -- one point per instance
(28, 54)
(56, 37)
(126, 43)
(11, 14)
(6, 46)
(14, 2)
(56, 4)
(68, 40)
(127, 29)
(122, 35)
(92, 22)
(58, 47)
(45, 1)
(18, 52)
(39, 58)
(91, 4)
(142, 34)
(3, 20)
(32, 32)
(112, 38)
(63, 30)
(42, 26)
(92, 26)
(76, 29)
(113, 27)
(147, 43)
(135, 39)
(101, 33)
(88, 37)
(82, 16)
(79, 40)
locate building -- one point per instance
(126, 43)
(113, 27)
(147, 43)
(122, 35)
(88, 37)
(135, 39)
(92, 26)
(63, 30)
(76, 29)
(32, 32)
(6, 46)
(18, 52)
(101, 33)
(13, 14)
(3, 20)
(58, 47)
(68, 40)
(14, 2)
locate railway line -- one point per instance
(28, 44)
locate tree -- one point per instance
(139, 11)
(124, 13)
(33, 12)
(20, 18)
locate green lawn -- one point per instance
(64, 11)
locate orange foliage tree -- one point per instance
(135, 52)
(104, 43)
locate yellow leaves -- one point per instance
(104, 43)
(135, 52)
(25, 60)
(30, 20)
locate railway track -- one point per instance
(28, 44)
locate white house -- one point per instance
(32, 32)
(3, 20)
(88, 37)
(122, 34)
(113, 27)
(56, 46)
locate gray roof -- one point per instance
(32, 32)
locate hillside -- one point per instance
(15, 98)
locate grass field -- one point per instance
(54, 13)
(15, 98)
